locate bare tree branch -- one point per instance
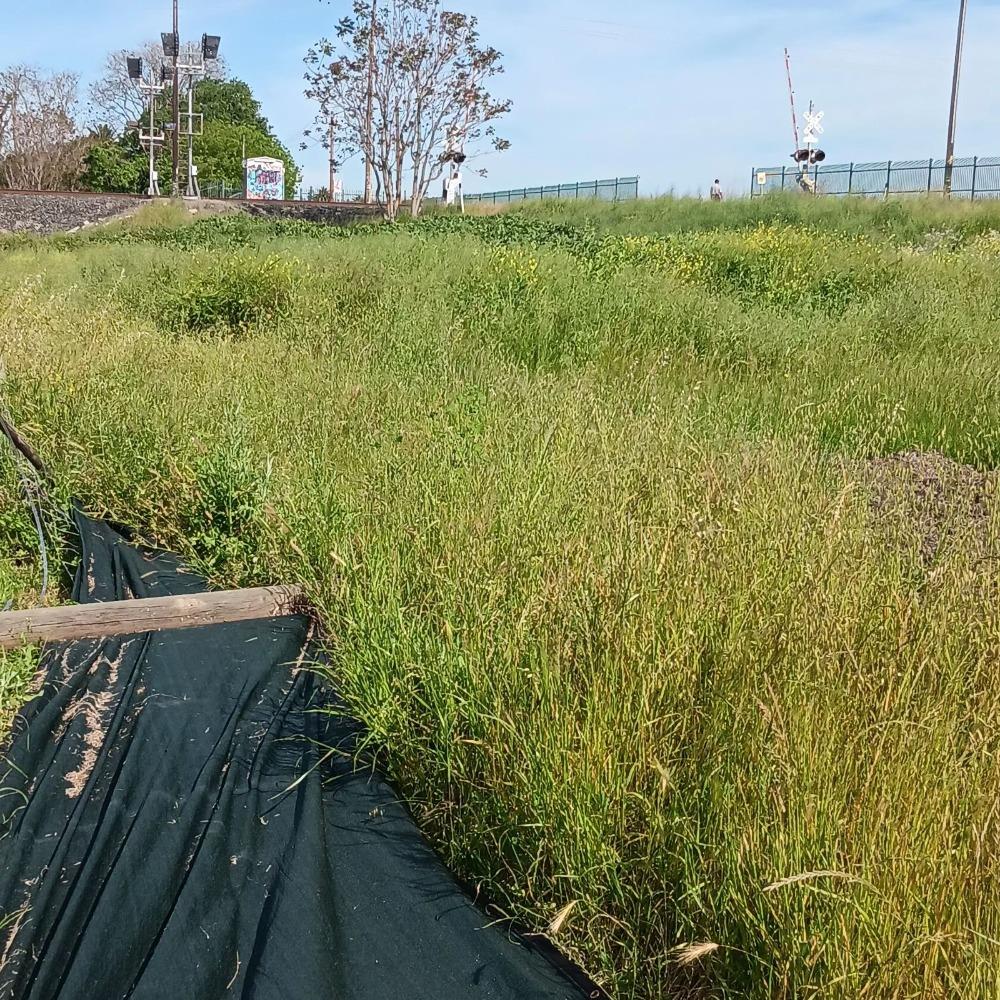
(429, 90)
(40, 146)
(114, 100)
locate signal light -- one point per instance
(134, 68)
(809, 156)
(210, 46)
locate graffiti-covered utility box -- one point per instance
(265, 178)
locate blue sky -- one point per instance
(678, 93)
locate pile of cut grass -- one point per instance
(590, 521)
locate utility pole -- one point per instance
(333, 161)
(370, 105)
(154, 185)
(175, 183)
(949, 156)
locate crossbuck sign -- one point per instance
(814, 127)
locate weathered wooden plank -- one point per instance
(153, 614)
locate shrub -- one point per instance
(233, 294)
(224, 518)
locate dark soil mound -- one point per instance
(932, 496)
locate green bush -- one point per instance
(232, 294)
(112, 166)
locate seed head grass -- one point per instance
(584, 496)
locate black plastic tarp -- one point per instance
(183, 817)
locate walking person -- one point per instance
(716, 192)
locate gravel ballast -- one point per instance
(43, 213)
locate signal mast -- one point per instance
(807, 152)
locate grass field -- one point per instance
(590, 500)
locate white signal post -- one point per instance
(194, 68)
(149, 138)
(810, 136)
(190, 69)
(455, 157)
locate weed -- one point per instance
(224, 521)
(232, 294)
(584, 496)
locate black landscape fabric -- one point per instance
(182, 818)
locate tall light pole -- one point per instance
(175, 182)
(949, 156)
(333, 160)
(369, 104)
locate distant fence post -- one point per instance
(975, 161)
(930, 174)
(850, 178)
(888, 177)
(753, 180)
(783, 178)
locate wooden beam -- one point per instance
(153, 614)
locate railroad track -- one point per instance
(30, 192)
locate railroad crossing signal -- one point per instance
(814, 127)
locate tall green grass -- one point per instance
(903, 219)
(588, 520)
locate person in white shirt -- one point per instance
(716, 192)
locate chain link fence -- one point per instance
(611, 189)
(972, 177)
(220, 190)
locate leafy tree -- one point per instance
(40, 145)
(219, 153)
(233, 117)
(115, 166)
(405, 82)
(231, 102)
